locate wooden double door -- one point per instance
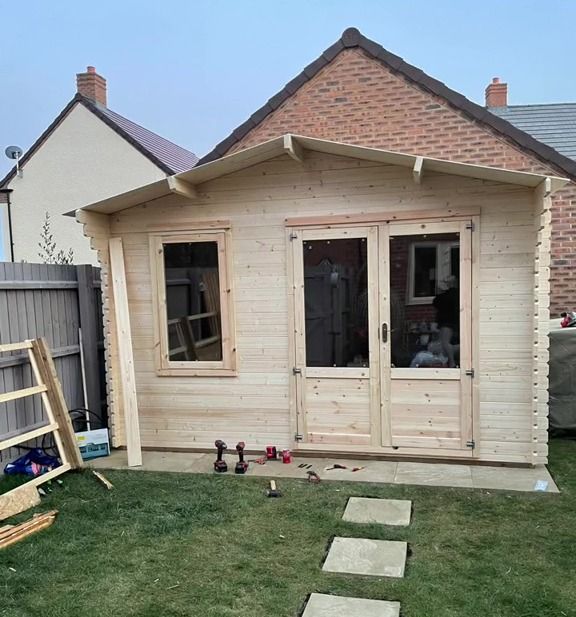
(383, 332)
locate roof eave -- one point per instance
(292, 145)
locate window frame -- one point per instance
(441, 273)
(164, 366)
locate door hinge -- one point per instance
(298, 437)
(293, 236)
(470, 372)
(471, 226)
(471, 444)
(296, 371)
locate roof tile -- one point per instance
(553, 124)
(174, 157)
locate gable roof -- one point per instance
(353, 38)
(553, 124)
(167, 156)
(295, 145)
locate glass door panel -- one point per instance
(336, 336)
(427, 333)
(336, 302)
(425, 300)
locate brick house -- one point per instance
(357, 92)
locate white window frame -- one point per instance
(165, 366)
(443, 268)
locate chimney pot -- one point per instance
(92, 86)
(496, 94)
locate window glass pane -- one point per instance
(193, 301)
(336, 302)
(425, 300)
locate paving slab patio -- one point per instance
(434, 475)
(384, 472)
(322, 605)
(381, 511)
(366, 557)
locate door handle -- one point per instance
(384, 332)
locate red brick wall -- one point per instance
(355, 99)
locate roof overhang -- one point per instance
(295, 146)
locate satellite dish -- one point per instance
(13, 152)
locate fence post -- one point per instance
(89, 342)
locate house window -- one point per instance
(431, 264)
(194, 317)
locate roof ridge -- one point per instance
(351, 38)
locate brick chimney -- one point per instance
(496, 94)
(91, 85)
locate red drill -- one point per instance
(220, 465)
(241, 465)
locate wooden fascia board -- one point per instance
(295, 145)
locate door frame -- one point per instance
(295, 228)
(297, 340)
(465, 229)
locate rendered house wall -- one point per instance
(82, 161)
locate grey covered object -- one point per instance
(563, 379)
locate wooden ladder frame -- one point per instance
(59, 423)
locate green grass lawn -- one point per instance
(176, 544)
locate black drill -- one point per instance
(220, 465)
(241, 465)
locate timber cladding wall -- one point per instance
(254, 406)
(357, 100)
(51, 301)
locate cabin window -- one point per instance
(431, 263)
(195, 328)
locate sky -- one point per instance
(193, 71)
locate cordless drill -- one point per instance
(220, 465)
(241, 465)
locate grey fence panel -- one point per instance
(63, 305)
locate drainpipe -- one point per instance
(7, 192)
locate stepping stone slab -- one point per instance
(320, 605)
(367, 557)
(382, 511)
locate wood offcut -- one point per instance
(10, 534)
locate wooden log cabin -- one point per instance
(329, 298)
